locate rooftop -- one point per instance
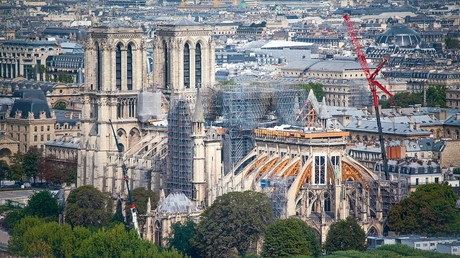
(177, 202)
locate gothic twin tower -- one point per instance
(116, 73)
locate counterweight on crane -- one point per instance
(373, 84)
(126, 179)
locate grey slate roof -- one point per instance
(65, 142)
(36, 106)
(29, 94)
(62, 116)
(185, 22)
(387, 128)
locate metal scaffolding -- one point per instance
(280, 188)
(391, 193)
(180, 148)
(246, 107)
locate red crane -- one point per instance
(373, 84)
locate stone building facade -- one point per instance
(184, 56)
(23, 58)
(115, 80)
(30, 122)
(115, 66)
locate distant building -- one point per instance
(30, 121)
(449, 245)
(414, 172)
(26, 58)
(453, 97)
(449, 248)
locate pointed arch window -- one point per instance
(198, 65)
(320, 170)
(187, 65)
(129, 66)
(99, 68)
(118, 67)
(166, 64)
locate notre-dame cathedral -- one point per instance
(159, 123)
(116, 89)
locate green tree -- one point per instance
(16, 241)
(430, 210)
(17, 169)
(48, 240)
(140, 198)
(182, 236)
(88, 207)
(436, 96)
(43, 205)
(345, 235)
(403, 99)
(41, 70)
(12, 219)
(5, 171)
(232, 223)
(57, 172)
(117, 242)
(29, 163)
(290, 237)
(316, 87)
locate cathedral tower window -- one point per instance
(166, 64)
(198, 65)
(129, 63)
(131, 108)
(187, 65)
(119, 110)
(118, 67)
(99, 68)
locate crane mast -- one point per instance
(132, 207)
(373, 84)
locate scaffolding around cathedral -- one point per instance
(246, 107)
(391, 192)
(180, 147)
(277, 189)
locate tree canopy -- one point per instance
(183, 233)
(88, 207)
(57, 172)
(34, 238)
(345, 235)
(435, 96)
(5, 171)
(43, 205)
(316, 87)
(232, 223)
(290, 237)
(430, 210)
(29, 163)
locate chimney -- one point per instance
(457, 116)
(359, 121)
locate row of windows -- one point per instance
(23, 137)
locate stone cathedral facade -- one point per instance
(116, 76)
(115, 67)
(184, 56)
